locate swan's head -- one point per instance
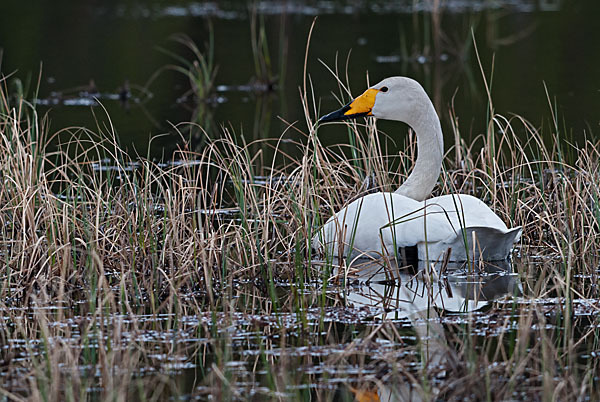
(395, 98)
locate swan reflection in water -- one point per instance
(394, 293)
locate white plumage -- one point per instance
(379, 224)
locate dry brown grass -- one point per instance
(94, 239)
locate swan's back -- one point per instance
(471, 210)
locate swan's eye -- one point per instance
(383, 89)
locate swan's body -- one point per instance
(381, 223)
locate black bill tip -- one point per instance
(340, 115)
(336, 116)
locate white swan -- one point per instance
(381, 223)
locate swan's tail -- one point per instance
(474, 243)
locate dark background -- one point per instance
(114, 41)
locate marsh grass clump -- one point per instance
(118, 274)
(201, 70)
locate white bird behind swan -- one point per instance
(379, 224)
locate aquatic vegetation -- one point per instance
(125, 279)
(201, 70)
(266, 79)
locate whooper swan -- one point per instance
(381, 223)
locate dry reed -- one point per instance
(92, 242)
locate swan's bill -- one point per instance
(361, 106)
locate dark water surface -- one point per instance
(114, 44)
(387, 321)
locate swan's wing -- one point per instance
(468, 211)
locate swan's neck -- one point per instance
(430, 151)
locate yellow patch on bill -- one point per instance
(364, 103)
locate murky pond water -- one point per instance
(390, 333)
(96, 52)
